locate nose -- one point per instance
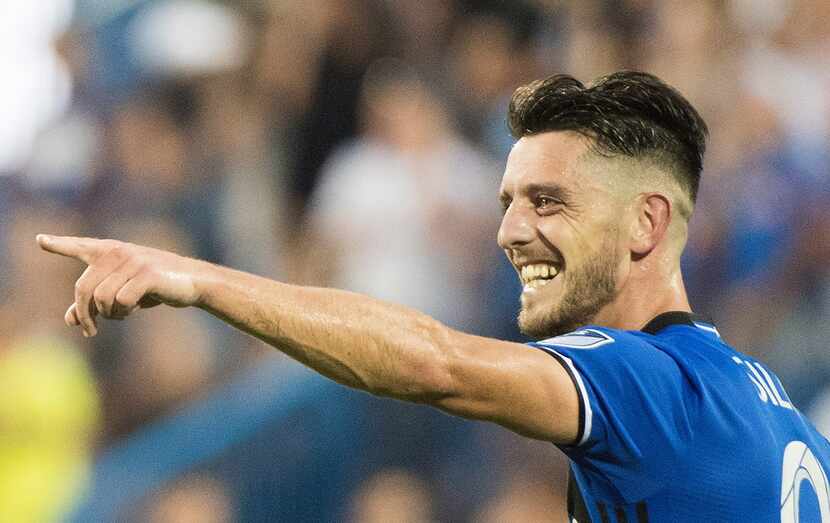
(516, 228)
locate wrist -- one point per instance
(205, 278)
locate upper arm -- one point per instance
(639, 407)
(514, 385)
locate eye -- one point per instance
(546, 204)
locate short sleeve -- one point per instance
(635, 420)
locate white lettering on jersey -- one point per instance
(769, 390)
(775, 388)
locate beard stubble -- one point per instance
(588, 289)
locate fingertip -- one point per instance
(43, 239)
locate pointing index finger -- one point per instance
(84, 249)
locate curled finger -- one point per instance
(86, 308)
(130, 295)
(105, 293)
(71, 318)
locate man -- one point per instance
(662, 420)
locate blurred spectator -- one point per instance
(525, 499)
(393, 495)
(323, 51)
(295, 139)
(404, 213)
(66, 155)
(251, 213)
(49, 412)
(195, 498)
(491, 52)
(154, 169)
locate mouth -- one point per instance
(537, 275)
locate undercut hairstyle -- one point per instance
(627, 113)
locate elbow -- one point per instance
(435, 382)
(436, 376)
(427, 376)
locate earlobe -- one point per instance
(653, 218)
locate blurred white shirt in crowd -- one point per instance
(36, 85)
(389, 219)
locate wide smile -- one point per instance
(534, 276)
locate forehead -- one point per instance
(545, 158)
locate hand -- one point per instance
(122, 277)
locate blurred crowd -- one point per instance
(359, 144)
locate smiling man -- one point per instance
(661, 419)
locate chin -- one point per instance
(589, 291)
(565, 317)
(539, 326)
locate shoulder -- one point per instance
(632, 391)
(586, 338)
(610, 355)
(593, 338)
(603, 353)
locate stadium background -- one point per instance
(359, 144)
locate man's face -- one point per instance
(561, 231)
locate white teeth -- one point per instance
(538, 273)
(535, 284)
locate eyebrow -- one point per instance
(553, 190)
(550, 189)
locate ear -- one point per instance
(654, 212)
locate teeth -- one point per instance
(538, 273)
(535, 284)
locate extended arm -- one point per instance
(379, 347)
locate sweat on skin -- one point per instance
(391, 350)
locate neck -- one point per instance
(643, 298)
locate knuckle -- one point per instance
(128, 300)
(141, 260)
(118, 252)
(99, 294)
(82, 288)
(112, 249)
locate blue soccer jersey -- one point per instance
(676, 426)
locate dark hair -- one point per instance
(626, 113)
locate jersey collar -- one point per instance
(668, 319)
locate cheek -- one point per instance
(556, 232)
(571, 242)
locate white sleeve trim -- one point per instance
(583, 392)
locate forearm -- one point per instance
(365, 343)
(361, 342)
